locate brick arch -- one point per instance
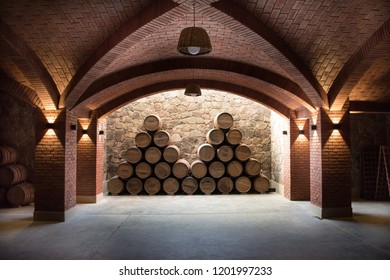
(276, 48)
(109, 50)
(285, 89)
(357, 65)
(20, 91)
(138, 93)
(32, 68)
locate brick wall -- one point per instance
(299, 160)
(55, 163)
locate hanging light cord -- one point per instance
(193, 6)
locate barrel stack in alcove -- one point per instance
(153, 165)
(223, 165)
(229, 163)
(14, 189)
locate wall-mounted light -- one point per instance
(284, 132)
(84, 131)
(336, 126)
(313, 127)
(301, 132)
(101, 132)
(73, 127)
(50, 125)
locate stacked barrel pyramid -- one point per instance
(223, 165)
(14, 188)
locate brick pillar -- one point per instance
(299, 161)
(89, 161)
(55, 167)
(331, 165)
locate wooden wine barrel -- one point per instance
(115, 185)
(171, 153)
(225, 185)
(152, 185)
(215, 136)
(143, 139)
(242, 152)
(225, 153)
(161, 138)
(13, 174)
(207, 185)
(124, 170)
(234, 136)
(134, 186)
(152, 155)
(8, 155)
(243, 184)
(252, 167)
(206, 152)
(261, 184)
(152, 123)
(21, 194)
(198, 169)
(162, 170)
(189, 185)
(133, 155)
(217, 169)
(181, 168)
(171, 185)
(143, 170)
(234, 168)
(223, 121)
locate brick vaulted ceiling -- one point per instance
(293, 56)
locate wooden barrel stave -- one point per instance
(124, 170)
(133, 155)
(215, 136)
(261, 184)
(181, 168)
(207, 185)
(152, 185)
(234, 136)
(171, 153)
(115, 185)
(189, 185)
(198, 169)
(161, 138)
(13, 174)
(143, 139)
(206, 152)
(134, 186)
(21, 194)
(171, 185)
(162, 170)
(223, 121)
(152, 123)
(8, 155)
(225, 185)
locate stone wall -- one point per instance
(188, 119)
(17, 127)
(279, 124)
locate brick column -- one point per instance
(89, 161)
(330, 165)
(299, 160)
(55, 167)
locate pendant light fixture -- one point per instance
(194, 40)
(193, 89)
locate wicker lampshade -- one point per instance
(194, 41)
(193, 90)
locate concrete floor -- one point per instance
(198, 227)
